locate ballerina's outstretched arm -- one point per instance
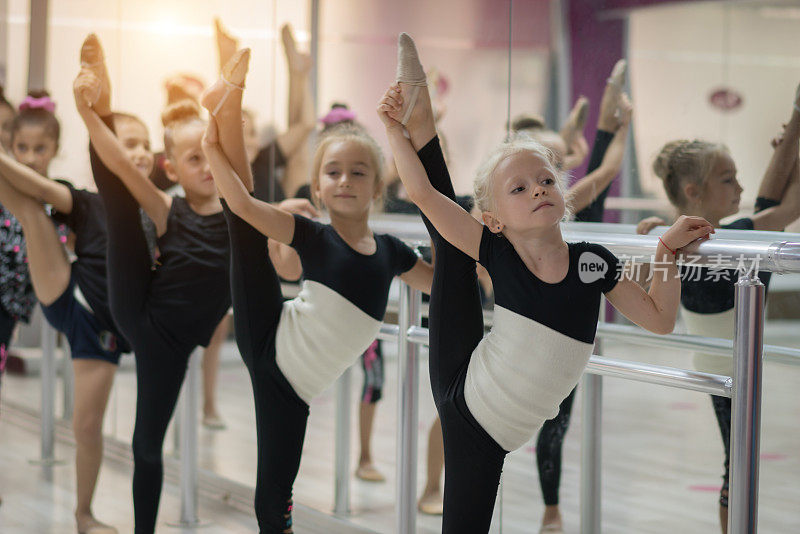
(586, 190)
(781, 181)
(451, 220)
(271, 221)
(92, 91)
(778, 171)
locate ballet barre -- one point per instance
(411, 229)
(723, 347)
(744, 387)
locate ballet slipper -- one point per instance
(298, 61)
(576, 121)
(233, 75)
(409, 72)
(617, 78)
(227, 44)
(369, 473)
(610, 103)
(93, 59)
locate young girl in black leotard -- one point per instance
(493, 394)
(700, 178)
(165, 313)
(295, 350)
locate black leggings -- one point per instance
(372, 364)
(473, 460)
(281, 415)
(548, 450)
(160, 362)
(722, 409)
(7, 324)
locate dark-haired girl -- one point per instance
(73, 294)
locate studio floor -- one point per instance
(662, 459)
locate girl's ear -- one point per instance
(691, 192)
(169, 169)
(316, 198)
(492, 222)
(380, 189)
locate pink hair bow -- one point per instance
(338, 115)
(45, 103)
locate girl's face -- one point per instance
(6, 118)
(721, 192)
(187, 165)
(33, 147)
(526, 195)
(136, 144)
(346, 183)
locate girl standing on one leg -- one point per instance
(74, 295)
(267, 163)
(164, 313)
(700, 179)
(295, 350)
(541, 292)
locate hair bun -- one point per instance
(663, 161)
(180, 111)
(528, 122)
(39, 93)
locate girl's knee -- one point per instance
(87, 427)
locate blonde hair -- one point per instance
(684, 162)
(344, 133)
(176, 116)
(484, 179)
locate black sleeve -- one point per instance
(77, 217)
(594, 211)
(745, 223)
(614, 272)
(305, 232)
(487, 249)
(765, 203)
(405, 257)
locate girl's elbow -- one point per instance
(666, 329)
(238, 204)
(664, 326)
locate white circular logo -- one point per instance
(591, 267)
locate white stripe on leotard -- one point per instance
(319, 336)
(519, 374)
(711, 325)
